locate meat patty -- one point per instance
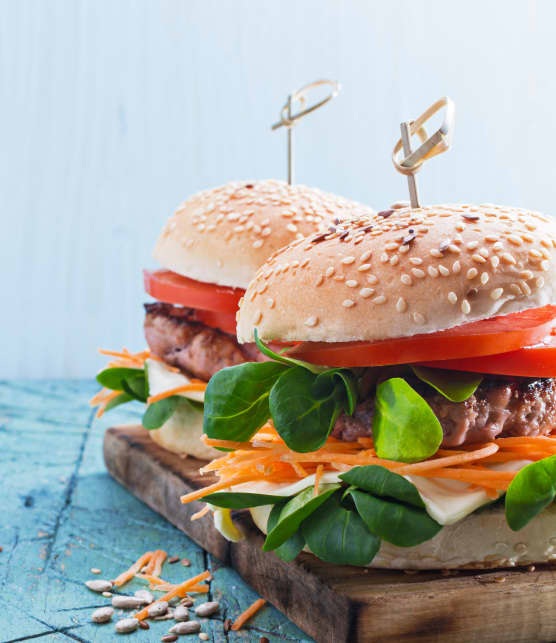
(173, 335)
(499, 408)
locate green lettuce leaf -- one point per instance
(456, 386)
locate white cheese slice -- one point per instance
(162, 379)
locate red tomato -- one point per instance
(486, 337)
(530, 361)
(223, 321)
(172, 288)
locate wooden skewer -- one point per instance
(411, 182)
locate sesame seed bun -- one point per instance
(404, 272)
(223, 235)
(483, 540)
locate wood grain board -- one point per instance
(332, 603)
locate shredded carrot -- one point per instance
(155, 564)
(126, 576)
(460, 458)
(105, 401)
(179, 590)
(194, 386)
(318, 476)
(204, 511)
(249, 613)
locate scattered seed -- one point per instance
(207, 609)
(107, 594)
(166, 617)
(102, 615)
(188, 627)
(126, 602)
(95, 570)
(158, 609)
(186, 562)
(168, 638)
(499, 579)
(227, 625)
(145, 596)
(181, 613)
(173, 560)
(187, 601)
(263, 639)
(204, 636)
(531, 568)
(385, 213)
(1, 549)
(127, 625)
(144, 625)
(99, 585)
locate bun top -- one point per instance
(223, 235)
(403, 272)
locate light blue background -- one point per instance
(113, 111)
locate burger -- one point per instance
(209, 250)
(410, 422)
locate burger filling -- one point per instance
(499, 407)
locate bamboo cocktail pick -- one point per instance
(288, 118)
(439, 142)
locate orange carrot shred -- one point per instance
(126, 576)
(318, 476)
(203, 512)
(194, 386)
(249, 613)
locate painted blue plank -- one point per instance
(66, 515)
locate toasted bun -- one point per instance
(223, 235)
(404, 272)
(480, 541)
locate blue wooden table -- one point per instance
(61, 515)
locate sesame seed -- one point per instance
(491, 238)
(384, 258)
(319, 281)
(452, 297)
(379, 300)
(443, 270)
(372, 279)
(512, 238)
(417, 272)
(433, 272)
(348, 303)
(472, 273)
(366, 292)
(526, 274)
(453, 248)
(416, 261)
(401, 305)
(507, 258)
(394, 260)
(292, 227)
(330, 271)
(311, 321)
(472, 245)
(418, 318)
(348, 260)
(545, 265)
(515, 289)
(496, 293)
(258, 243)
(404, 249)
(484, 278)
(465, 307)
(478, 258)
(436, 253)
(535, 253)
(539, 282)
(270, 302)
(351, 283)
(406, 279)
(456, 267)
(391, 246)
(265, 232)
(365, 256)
(364, 267)
(494, 262)
(498, 246)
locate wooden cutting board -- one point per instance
(335, 604)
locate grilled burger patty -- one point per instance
(500, 407)
(173, 335)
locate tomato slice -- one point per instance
(486, 337)
(530, 361)
(172, 288)
(222, 321)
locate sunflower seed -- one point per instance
(126, 602)
(158, 609)
(189, 627)
(144, 595)
(181, 613)
(99, 585)
(204, 636)
(169, 638)
(127, 625)
(102, 615)
(207, 609)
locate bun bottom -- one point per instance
(182, 433)
(483, 540)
